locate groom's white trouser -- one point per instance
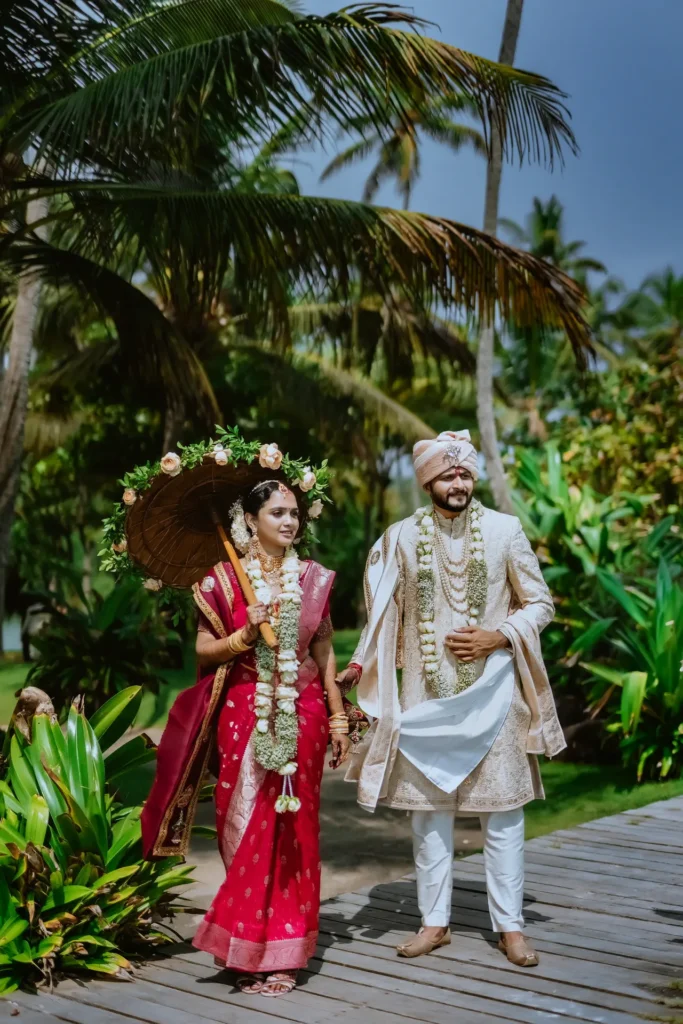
(433, 848)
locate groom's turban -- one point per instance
(450, 448)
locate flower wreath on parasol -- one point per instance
(169, 529)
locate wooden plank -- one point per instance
(522, 1004)
(12, 1010)
(471, 948)
(64, 1008)
(570, 984)
(584, 945)
(618, 855)
(191, 987)
(153, 1005)
(563, 910)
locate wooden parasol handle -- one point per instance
(247, 589)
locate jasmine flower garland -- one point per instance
(475, 597)
(275, 741)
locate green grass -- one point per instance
(581, 792)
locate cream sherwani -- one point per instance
(522, 722)
(520, 606)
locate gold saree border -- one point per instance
(206, 609)
(161, 849)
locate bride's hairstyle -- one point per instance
(259, 495)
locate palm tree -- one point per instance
(532, 359)
(399, 153)
(485, 352)
(133, 104)
(655, 314)
(543, 235)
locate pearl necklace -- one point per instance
(476, 583)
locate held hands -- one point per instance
(347, 679)
(256, 614)
(340, 750)
(471, 643)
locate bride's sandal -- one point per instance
(250, 984)
(518, 951)
(279, 984)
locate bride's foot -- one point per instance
(250, 984)
(279, 984)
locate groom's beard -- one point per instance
(456, 502)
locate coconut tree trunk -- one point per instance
(485, 408)
(14, 400)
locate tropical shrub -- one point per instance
(102, 645)
(75, 894)
(641, 686)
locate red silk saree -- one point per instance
(265, 915)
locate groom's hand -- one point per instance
(347, 679)
(471, 643)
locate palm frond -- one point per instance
(378, 406)
(349, 156)
(152, 346)
(253, 65)
(315, 245)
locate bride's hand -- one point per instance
(256, 614)
(340, 750)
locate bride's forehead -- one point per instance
(282, 498)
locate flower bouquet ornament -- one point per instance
(168, 529)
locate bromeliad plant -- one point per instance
(75, 894)
(645, 683)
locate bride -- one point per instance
(278, 711)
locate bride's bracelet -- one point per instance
(237, 644)
(339, 723)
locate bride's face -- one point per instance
(277, 522)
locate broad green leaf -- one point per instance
(77, 763)
(49, 738)
(133, 754)
(612, 585)
(111, 720)
(21, 776)
(632, 696)
(66, 895)
(612, 675)
(37, 821)
(12, 929)
(10, 800)
(204, 830)
(115, 876)
(586, 640)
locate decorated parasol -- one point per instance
(174, 520)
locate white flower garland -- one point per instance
(275, 742)
(477, 584)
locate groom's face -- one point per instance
(453, 490)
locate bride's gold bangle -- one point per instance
(237, 644)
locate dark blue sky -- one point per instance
(621, 63)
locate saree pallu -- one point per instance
(265, 915)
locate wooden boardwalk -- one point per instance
(604, 907)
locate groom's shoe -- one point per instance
(422, 944)
(517, 949)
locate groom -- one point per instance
(456, 599)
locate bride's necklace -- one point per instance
(277, 726)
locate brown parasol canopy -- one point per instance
(173, 527)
